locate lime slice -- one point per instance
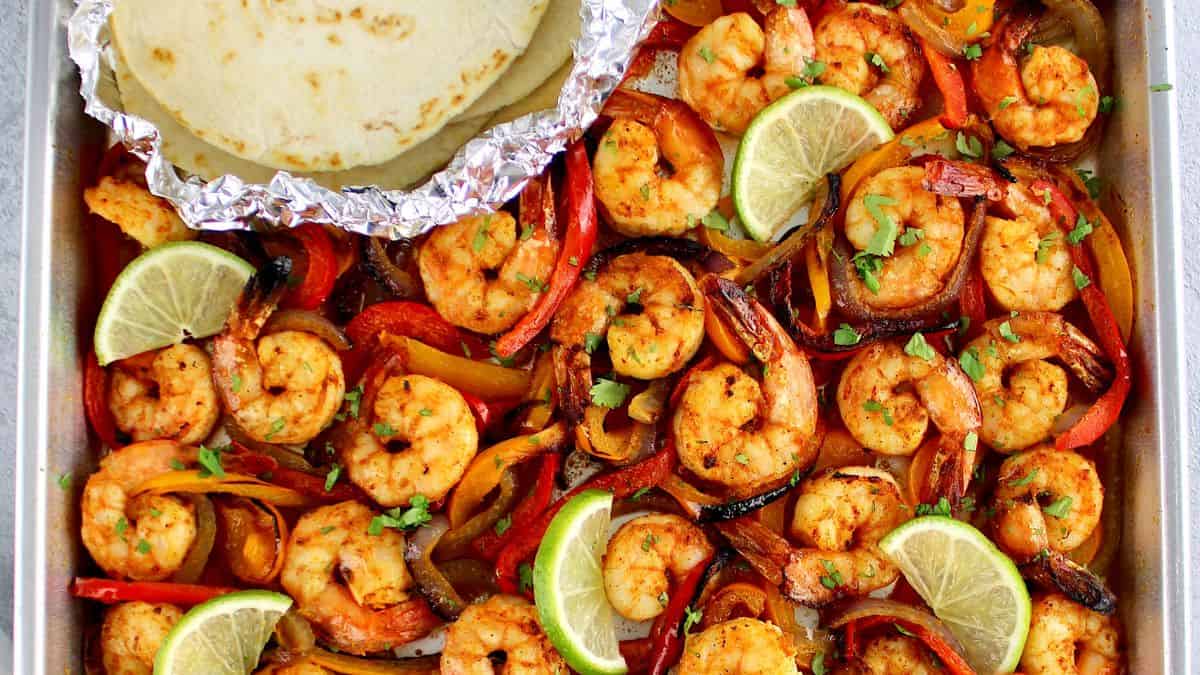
(169, 293)
(971, 586)
(790, 146)
(224, 636)
(568, 586)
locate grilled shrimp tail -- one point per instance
(1055, 570)
(259, 298)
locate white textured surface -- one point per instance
(12, 86)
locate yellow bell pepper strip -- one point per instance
(1112, 266)
(485, 380)
(242, 485)
(541, 399)
(612, 445)
(485, 471)
(724, 339)
(456, 542)
(949, 32)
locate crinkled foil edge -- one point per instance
(489, 170)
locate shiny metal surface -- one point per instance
(1139, 160)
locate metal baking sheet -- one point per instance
(62, 147)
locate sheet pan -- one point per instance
(62, 146)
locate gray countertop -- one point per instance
(12, 79)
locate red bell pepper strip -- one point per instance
(95, 401)
(576, 250)
(972, 304)
(950, 82)
(1105, 411)
(489, 545)
(647, 473)
(111, 592)
(321, 269)
(954, 662)
(410, 319)
(668, 635)
(488, 413)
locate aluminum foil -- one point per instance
(489, 170)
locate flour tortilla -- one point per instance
(319, 85)
(542, 98)
(185, 150)
(548, 50)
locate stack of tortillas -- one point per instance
(347, 92)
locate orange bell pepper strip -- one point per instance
(576, 250)
(724, 339)
(1107, 409)
(95, 401)
(1116, 280)
(950, 82)
(485, 380)
(483, 474)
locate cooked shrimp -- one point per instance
(1068, 639)
(167, 394)
(931, 225)
(143, 538)
(287, 387)
(1024, 257)
(887, 398)
(131, 635)
(648, 308)
(716, 65)
(482, 273)
(505, 626)
(1020, 393)
(435, 428)
(352, 584)
(1041, 97)
(739, 647)
(840, 517)
(1046, 499)
(659, 167)
(742, 432)
(643, 557)
(893, 655)
(868, 51)
(130, 206)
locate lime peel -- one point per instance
(568, 586)
(791, 145)
(970, 584)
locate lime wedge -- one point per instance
(568, 586)
(169, 293)
(790, 146)
(971, 586)
(224, 636)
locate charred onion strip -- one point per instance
(849, 292)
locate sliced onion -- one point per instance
(294, 632)
(286, 458)
(868, 608)
(359, 665)
(793, 244)
(456, 542)
(1091, 36)
(206, 533)
(307, 321)
(379, 264)
(849, 292)
(918, 20)
(434, 587)
(474, 579)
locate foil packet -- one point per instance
(489, 170)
